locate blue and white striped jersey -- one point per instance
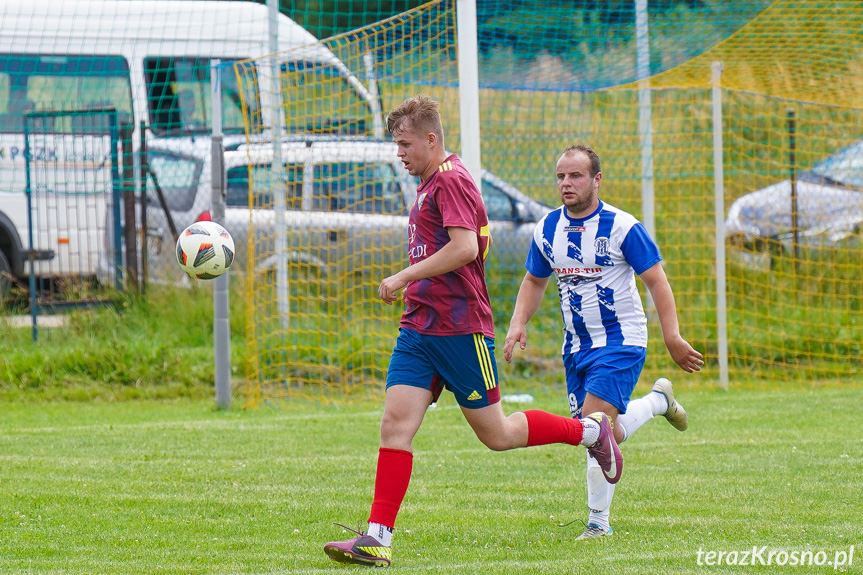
(595, 259)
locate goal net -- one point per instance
(789, 98)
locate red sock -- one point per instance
(391, 484)
(544, 428)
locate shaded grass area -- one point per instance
(158, 346)
(178, 487)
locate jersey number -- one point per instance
(484, 233)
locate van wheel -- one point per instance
(5, 276)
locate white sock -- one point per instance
(638, 412)
(599, 495)
(658, 401)
(382, 533)
(591, 431)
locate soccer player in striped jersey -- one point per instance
(446, 338)
(595, 250)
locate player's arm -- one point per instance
(462, 249)
(681, 352)
(526, 305)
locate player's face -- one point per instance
(579, 192)
(415, 152)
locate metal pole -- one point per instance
(277, 170)
(116, 196)
(719, 212)
(645, 129)
(792, 160)
(142, 177)
(130, 229)
(221, 315)
(34, 300)
(372, 82)
(468, 88)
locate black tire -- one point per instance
(5, 276)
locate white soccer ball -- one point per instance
(205, 250)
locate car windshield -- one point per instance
(258, 180)
(343, 186)
(39, 83)
(845, 167)
(176, 177)
(357, 187)
(179, 96)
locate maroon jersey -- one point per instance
(455, 303)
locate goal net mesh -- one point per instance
(791, 105)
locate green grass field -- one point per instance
(165, 487)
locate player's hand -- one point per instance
(516, 334)
(388, 291)
(684, 355)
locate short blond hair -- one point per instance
(419, 115)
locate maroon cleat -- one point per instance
(605, 450)
(361, 550)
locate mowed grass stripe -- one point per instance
(178, 487)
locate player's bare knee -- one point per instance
(496, 441)
(495, 444)
(395, 430)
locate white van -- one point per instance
(150, 61)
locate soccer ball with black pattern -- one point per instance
(205, 250)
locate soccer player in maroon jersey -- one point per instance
(446, 337)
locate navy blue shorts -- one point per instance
(463, 364)
(609, 373)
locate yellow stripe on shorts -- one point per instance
(484, 361)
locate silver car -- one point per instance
(346, 203)
(829, 206)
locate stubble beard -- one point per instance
(579, 206)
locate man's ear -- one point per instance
(432, 138)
